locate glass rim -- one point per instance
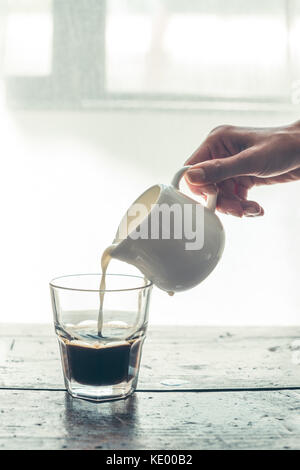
(56, 286)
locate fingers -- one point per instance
(237, 190)
(232, 174)
(238, 208)
(252, 209)
(200, 155)
(230, 203)
(204, 189)
(217, 170)
(222, 141)
(242, 186)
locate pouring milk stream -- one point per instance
(172, 239)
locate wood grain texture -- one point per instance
(174, 358)
(172, 420)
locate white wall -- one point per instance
(66, 179)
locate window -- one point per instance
(92, 53)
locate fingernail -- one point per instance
(251, 211)
(196, 175)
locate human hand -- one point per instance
(234, 159)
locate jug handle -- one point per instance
(211, 198)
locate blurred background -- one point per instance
(100, 100)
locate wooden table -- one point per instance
(199, 388)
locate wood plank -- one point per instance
(174, 358)
(171, 420)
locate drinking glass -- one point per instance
(100, 362)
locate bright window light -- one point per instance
(28, 44)
(211, 39)
(122, 33)
(205, 54)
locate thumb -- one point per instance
(217, 170)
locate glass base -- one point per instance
(101, 374)
(101, 393)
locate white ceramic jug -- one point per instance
(162, 249)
